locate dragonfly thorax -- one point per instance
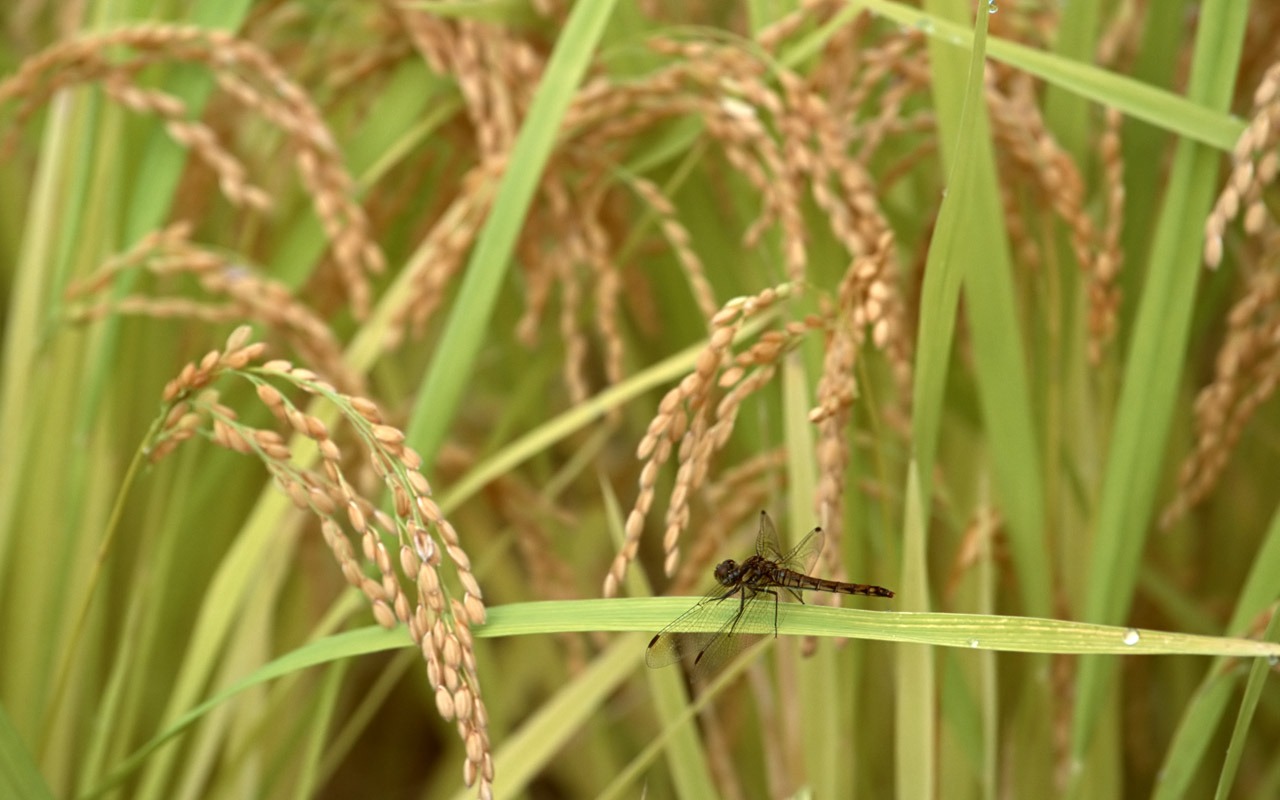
(727, 572)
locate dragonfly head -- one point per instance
(727, 572)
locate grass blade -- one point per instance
(1204, 712)
(1188, 117)
(1248, 704)
(20, 776)
(1150, 383)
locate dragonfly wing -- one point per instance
(804, 555)
(767, 543)
(800, 558)
(668, 648)
(713, 631)
(740, 631)
(689, 633)
(718, 649)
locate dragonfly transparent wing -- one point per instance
(719, 627)
(800, 558)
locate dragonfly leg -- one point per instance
(795, 594)
(775, 611)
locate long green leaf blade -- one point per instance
(1150, 383)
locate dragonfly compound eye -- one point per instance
(725, 572)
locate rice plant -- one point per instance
(379, 378)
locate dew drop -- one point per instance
(973, 643)
(1131, 637)
(1273, 659)
(991, 7)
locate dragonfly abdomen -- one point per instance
(796, 580)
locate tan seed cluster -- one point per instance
(1248, 363)
(984, 532)
(236, 354)
(438, 620)
(197, 137)
(737, 495)
(1104, 293)
(1256, 160)
(785, 143)
(1246, 371)
(247, 74)
(864, 297)
(1122, 38)
(496, 74)
(1025, 143)
(1038, 162)
(248, 294)
(678, 237)
(690, 427)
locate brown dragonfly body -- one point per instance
(764, 573)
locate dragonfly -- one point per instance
(741, 601)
